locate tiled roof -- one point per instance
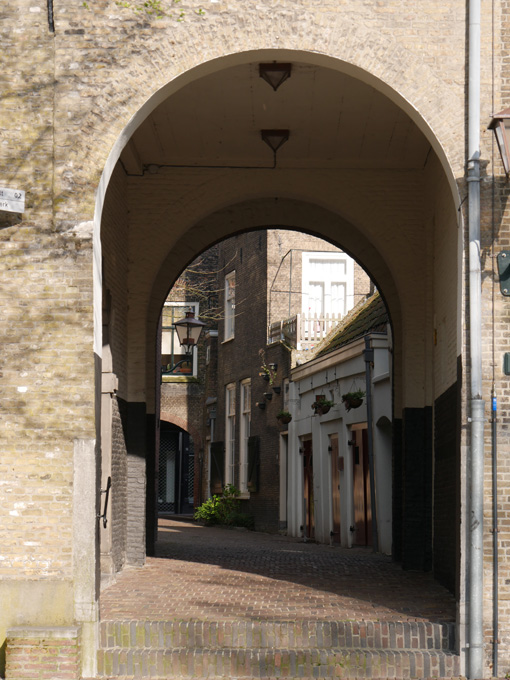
(369, 316)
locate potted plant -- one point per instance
(353, 399)
(284, 417)
(321, 405)
(268, 395)
(268, 372)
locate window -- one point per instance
(230, 304)
(230, 432)
(174, 361)
(244, 435)
(328, 284)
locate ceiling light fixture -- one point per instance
(275, 74)
(275, 139)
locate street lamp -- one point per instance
(188, 331)
(500, 123)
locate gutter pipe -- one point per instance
(51, 22)
(495, 536)
(476, 458)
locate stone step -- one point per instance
(275, 663)
(414, 635)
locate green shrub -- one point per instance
(208, 511)
(224, 509)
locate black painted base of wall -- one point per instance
(417, 488)
(447, 420)
(426, 487)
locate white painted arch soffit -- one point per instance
(338, 115)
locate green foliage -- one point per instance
(353, 399)
(208, 511)
(267, 369)
(154, 8)
(357, 394)
(224, 509)
(323, 402)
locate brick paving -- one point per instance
(216, 574)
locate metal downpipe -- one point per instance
(477, 406)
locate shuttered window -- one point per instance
(253, 463)
(217, 466)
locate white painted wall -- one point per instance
(333, 375)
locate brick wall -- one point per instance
(115, 340)
(119, 487)
(114, 243)
(67, 98)
(43, 654)
(285, 271)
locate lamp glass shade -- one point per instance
(275, 74)
(274, 138)
(188, 331)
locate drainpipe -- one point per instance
(477, 406)
(51, 23)
(495, 536)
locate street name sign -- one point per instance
(12, 200)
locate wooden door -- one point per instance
(335, 487)
(361, 489)
(309, 526)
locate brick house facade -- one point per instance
(268, 287)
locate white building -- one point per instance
(329, 487)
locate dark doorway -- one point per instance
(308, 502)
(176, 471)
(335, 488)
(361, 487)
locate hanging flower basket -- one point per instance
(321, 405)
(284, 417)
(353, 399)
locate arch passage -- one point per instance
(357, 171)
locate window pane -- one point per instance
(230, 304)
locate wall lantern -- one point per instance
(501, 126)
(188, 331)
(275, 74)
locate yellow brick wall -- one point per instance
(68, 96)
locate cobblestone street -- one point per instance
(216, 574)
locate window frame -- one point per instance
(244, 435)
(309, 277)
(230, 432)
(230, 305)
